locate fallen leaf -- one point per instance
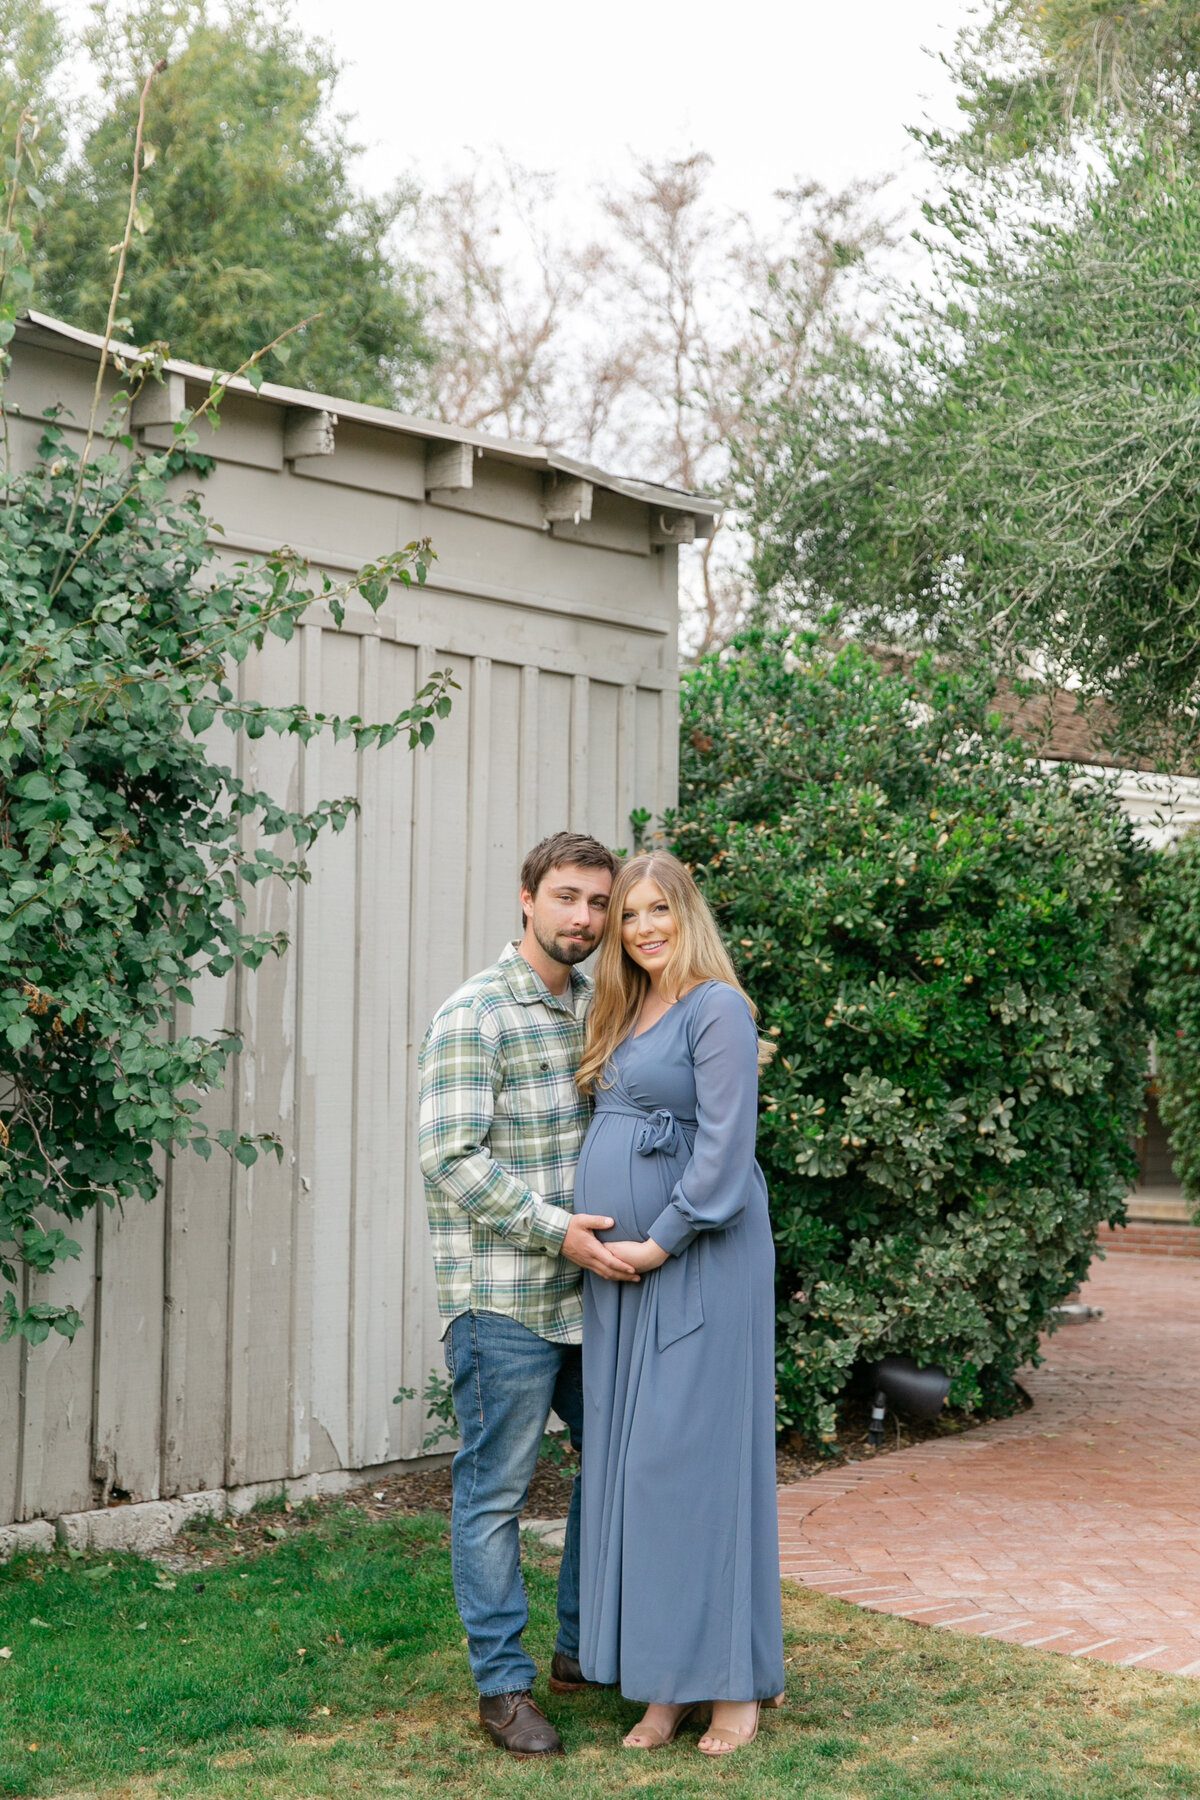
(163, 1586)
(41, 1624)
(5, 1652)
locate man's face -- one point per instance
(568, 911)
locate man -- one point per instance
(502, 1123)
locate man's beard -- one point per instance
(568, 951)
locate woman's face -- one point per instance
(648, 931)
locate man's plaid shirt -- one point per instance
(502, 1124)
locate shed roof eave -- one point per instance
(34, 327)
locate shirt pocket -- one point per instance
(540, 1084)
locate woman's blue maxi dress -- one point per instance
(680, 1541)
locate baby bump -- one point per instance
(613, 1179)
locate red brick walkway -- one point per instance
(1075, 1526)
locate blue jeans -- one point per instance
(506, 1380)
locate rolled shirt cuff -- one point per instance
(672, 1232)
(548, 1227)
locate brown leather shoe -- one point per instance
(518, 1726)
(566, 1676)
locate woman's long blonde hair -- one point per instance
(699, 955)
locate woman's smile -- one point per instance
(648, 927)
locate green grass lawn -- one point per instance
(333, 1664)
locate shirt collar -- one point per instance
(528, 988)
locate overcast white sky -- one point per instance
(773, 88)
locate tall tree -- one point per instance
(249, 219)
(641, 346)
(1013, 470)
(31, 52)
(1036, 74)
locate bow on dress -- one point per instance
(660, 1132)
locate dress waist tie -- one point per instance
(680, 1302)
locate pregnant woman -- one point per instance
(680, 1597)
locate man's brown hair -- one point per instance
(562, 848)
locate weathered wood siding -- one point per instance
(254, 1324)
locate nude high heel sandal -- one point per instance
(737, 1740)
(657, 1740)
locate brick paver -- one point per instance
(1149, 1237)
(1074, 1526)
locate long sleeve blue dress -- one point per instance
(680, 1541)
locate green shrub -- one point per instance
(127, 849)
(944, 942)
(1174, 956)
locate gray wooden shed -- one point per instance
(252, 1325)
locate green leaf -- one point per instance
(111, 638)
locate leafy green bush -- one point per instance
(944, 941)
(126, 851)
(1173, 946)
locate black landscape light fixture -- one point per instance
(899, 1379)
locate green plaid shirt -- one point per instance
(502, 1124)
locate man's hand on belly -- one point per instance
(582, 1246)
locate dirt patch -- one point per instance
(428, 1490)
(797, 1458)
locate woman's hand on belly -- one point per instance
(643, 1257)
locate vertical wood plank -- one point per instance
(11, 1425)
(648, 786)
(237, 1303)
(553, 771)
(330, 1048)
(577, 804)
(417, 1273)
(626, 764)
(478, 798)
(394, 1198)
(668, 748)
(368, 1275)
(307, 954)
(195, 1376)
(58, 1389)
(603, 762)
(499, 886)
(126, 1448)
(528, 817)
(260, 1301)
